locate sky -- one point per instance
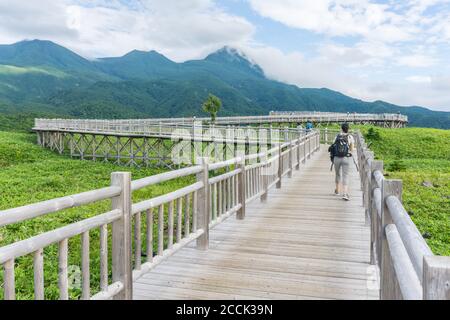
(396, 51)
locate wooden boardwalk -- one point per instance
(303, 243)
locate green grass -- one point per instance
(28, 174)
(14, 70)
(418, 155)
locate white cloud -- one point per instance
(32, 19)
(419, 79)
(366, 82)
(416, 60)
(338, 18)
(180, 29)
(389, 22)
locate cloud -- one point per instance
(417, 60)
(388, 22)
(366, 81)
(337, 18)
(180, 29)
(34, 19)
(419, 79)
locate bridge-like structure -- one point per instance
(262, 224)
(151, 142)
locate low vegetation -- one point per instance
(421, 158)
(31, 174)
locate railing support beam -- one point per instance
(436, 278)
(241, 189)
(389, 285)
(121, 236)
(203, 204)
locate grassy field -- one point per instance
(419, 157)
(28, 174)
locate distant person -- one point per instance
(341, 154)
(309, 126)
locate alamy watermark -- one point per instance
(225, 143)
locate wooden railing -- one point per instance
(341, 116)
(167, 125)
(408, 268)
(181, 216)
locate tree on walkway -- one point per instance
(212, 106)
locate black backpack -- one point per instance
(340, 147)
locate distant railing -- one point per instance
(168, 125)
(408, 268)
(340, 117)
(182, 216)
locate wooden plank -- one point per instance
(213, 282)
(302, 243)
(137, 241)
(104, 257)
(179, 218)
(170, 220)
(86, 274)
(38, 261)
(436, 278)
(9, 280)
(161, 229)
(63, 280)
(187, 215)
(149, 235)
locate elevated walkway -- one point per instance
(303, 243)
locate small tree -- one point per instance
(212, 105)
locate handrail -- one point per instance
(43, 240)
(415, 244)
(407, 266)
(288, 116)
(155, 202)
(162, 177)
(408, 281)
(208, 201)
(27, 212)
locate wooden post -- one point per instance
(265, 178)
(374, 225)
(309, 146)
(291, 149)
(121, 236)
(367, 180)
(241, 189)
(203, 205)
(326, 136)
(304, 149)
(280, 167)
(436, 278)
(297, 167)
(9, 280)
(388, 281)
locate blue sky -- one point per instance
(397, 51)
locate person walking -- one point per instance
(309, 126)
(341, 151)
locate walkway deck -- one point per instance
(304, 243)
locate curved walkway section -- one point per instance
(303, 243)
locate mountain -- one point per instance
(41, 77)
(138, 65)
(40, 53)
(31, 70)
